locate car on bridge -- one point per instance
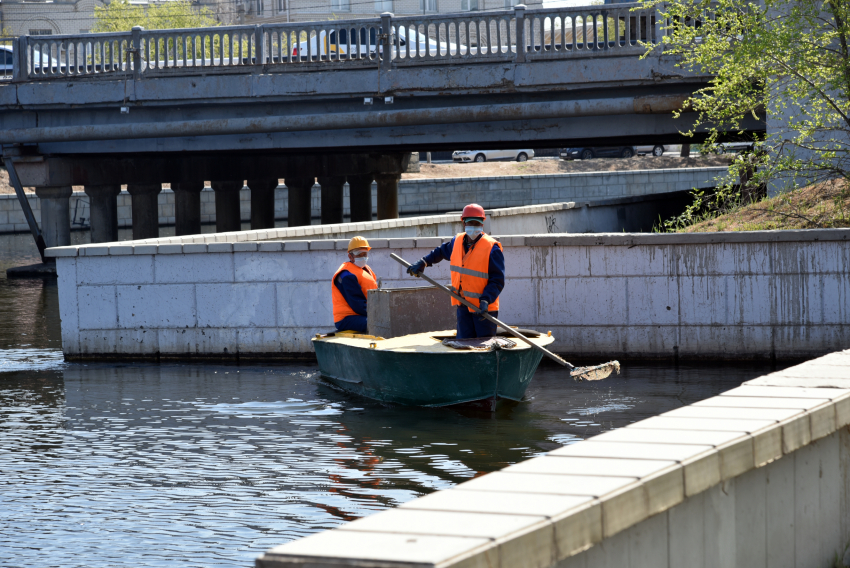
(337, 43)
(492, 155)
(7, 59)
(590, 152)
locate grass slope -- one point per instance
(819, 206)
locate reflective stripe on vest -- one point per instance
(365, 277)
(471, 270)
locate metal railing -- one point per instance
(509, 35)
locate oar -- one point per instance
(594, 373)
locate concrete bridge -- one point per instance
(335, 101)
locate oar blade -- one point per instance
(595, 373)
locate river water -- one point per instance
(210, 465)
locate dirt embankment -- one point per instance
(532, 167)
(555, 166)
(820, 206)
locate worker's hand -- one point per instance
(416, 268)
(482, 308)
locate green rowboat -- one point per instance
(419, 370)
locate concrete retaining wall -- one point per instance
(780, 295)
(758, 476)
(417, 196)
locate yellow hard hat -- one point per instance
(358, 242)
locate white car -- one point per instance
(491, 155)
(658, 149)
(327, 43)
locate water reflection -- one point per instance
(154, 465)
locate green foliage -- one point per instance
(122, 16)
(788, 58)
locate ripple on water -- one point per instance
(12, 360)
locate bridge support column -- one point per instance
(332, 193)
(187, 207)
(262, 203)
(387, 195)
(55, 214)
(300, 190)
(103, 204)
(360, 197)
(228, 216)
(145, 205)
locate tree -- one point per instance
(788, 58)
(122, 16)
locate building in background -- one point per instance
(34, 17)
(18, 17)
(259, 11)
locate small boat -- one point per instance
(430, 369)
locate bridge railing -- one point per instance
(507, 35)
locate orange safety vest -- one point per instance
(471, 270)
(366, 278)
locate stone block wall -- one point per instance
(759, 295)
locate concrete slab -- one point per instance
(546, 484)
(590, 466)
(693, 423)
(799, 382)
(504, 503)
(757, 402)
(444, 523)
(648, 435)
(734, 413)
(590, 449)
(348, 547)
(767, 391)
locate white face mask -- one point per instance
(361, 261)
(472, 231)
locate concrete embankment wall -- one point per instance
(416, 196)
(758, 476)
(781, 295)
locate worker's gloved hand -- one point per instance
(482, 307)
(417, 268)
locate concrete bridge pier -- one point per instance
(103, 207)
(227, 213)
(187, 207)
(299, 200)
(55, 214)
(360, 197)
(262, 203)
(145, 209)
(332, 198)
(387, 195)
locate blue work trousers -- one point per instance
(471, 325)
(352, 323)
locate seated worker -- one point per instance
(350, 286)
(478, 273)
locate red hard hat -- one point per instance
(473, 210)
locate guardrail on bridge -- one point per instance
(518, 35)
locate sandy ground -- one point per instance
(533, 167)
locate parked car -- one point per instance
(590, 152)
(492, 155)
(656, 150)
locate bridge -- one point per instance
(337, 101)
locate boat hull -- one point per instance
(428, 379)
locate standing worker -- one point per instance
(350, 286)
(478, 273)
